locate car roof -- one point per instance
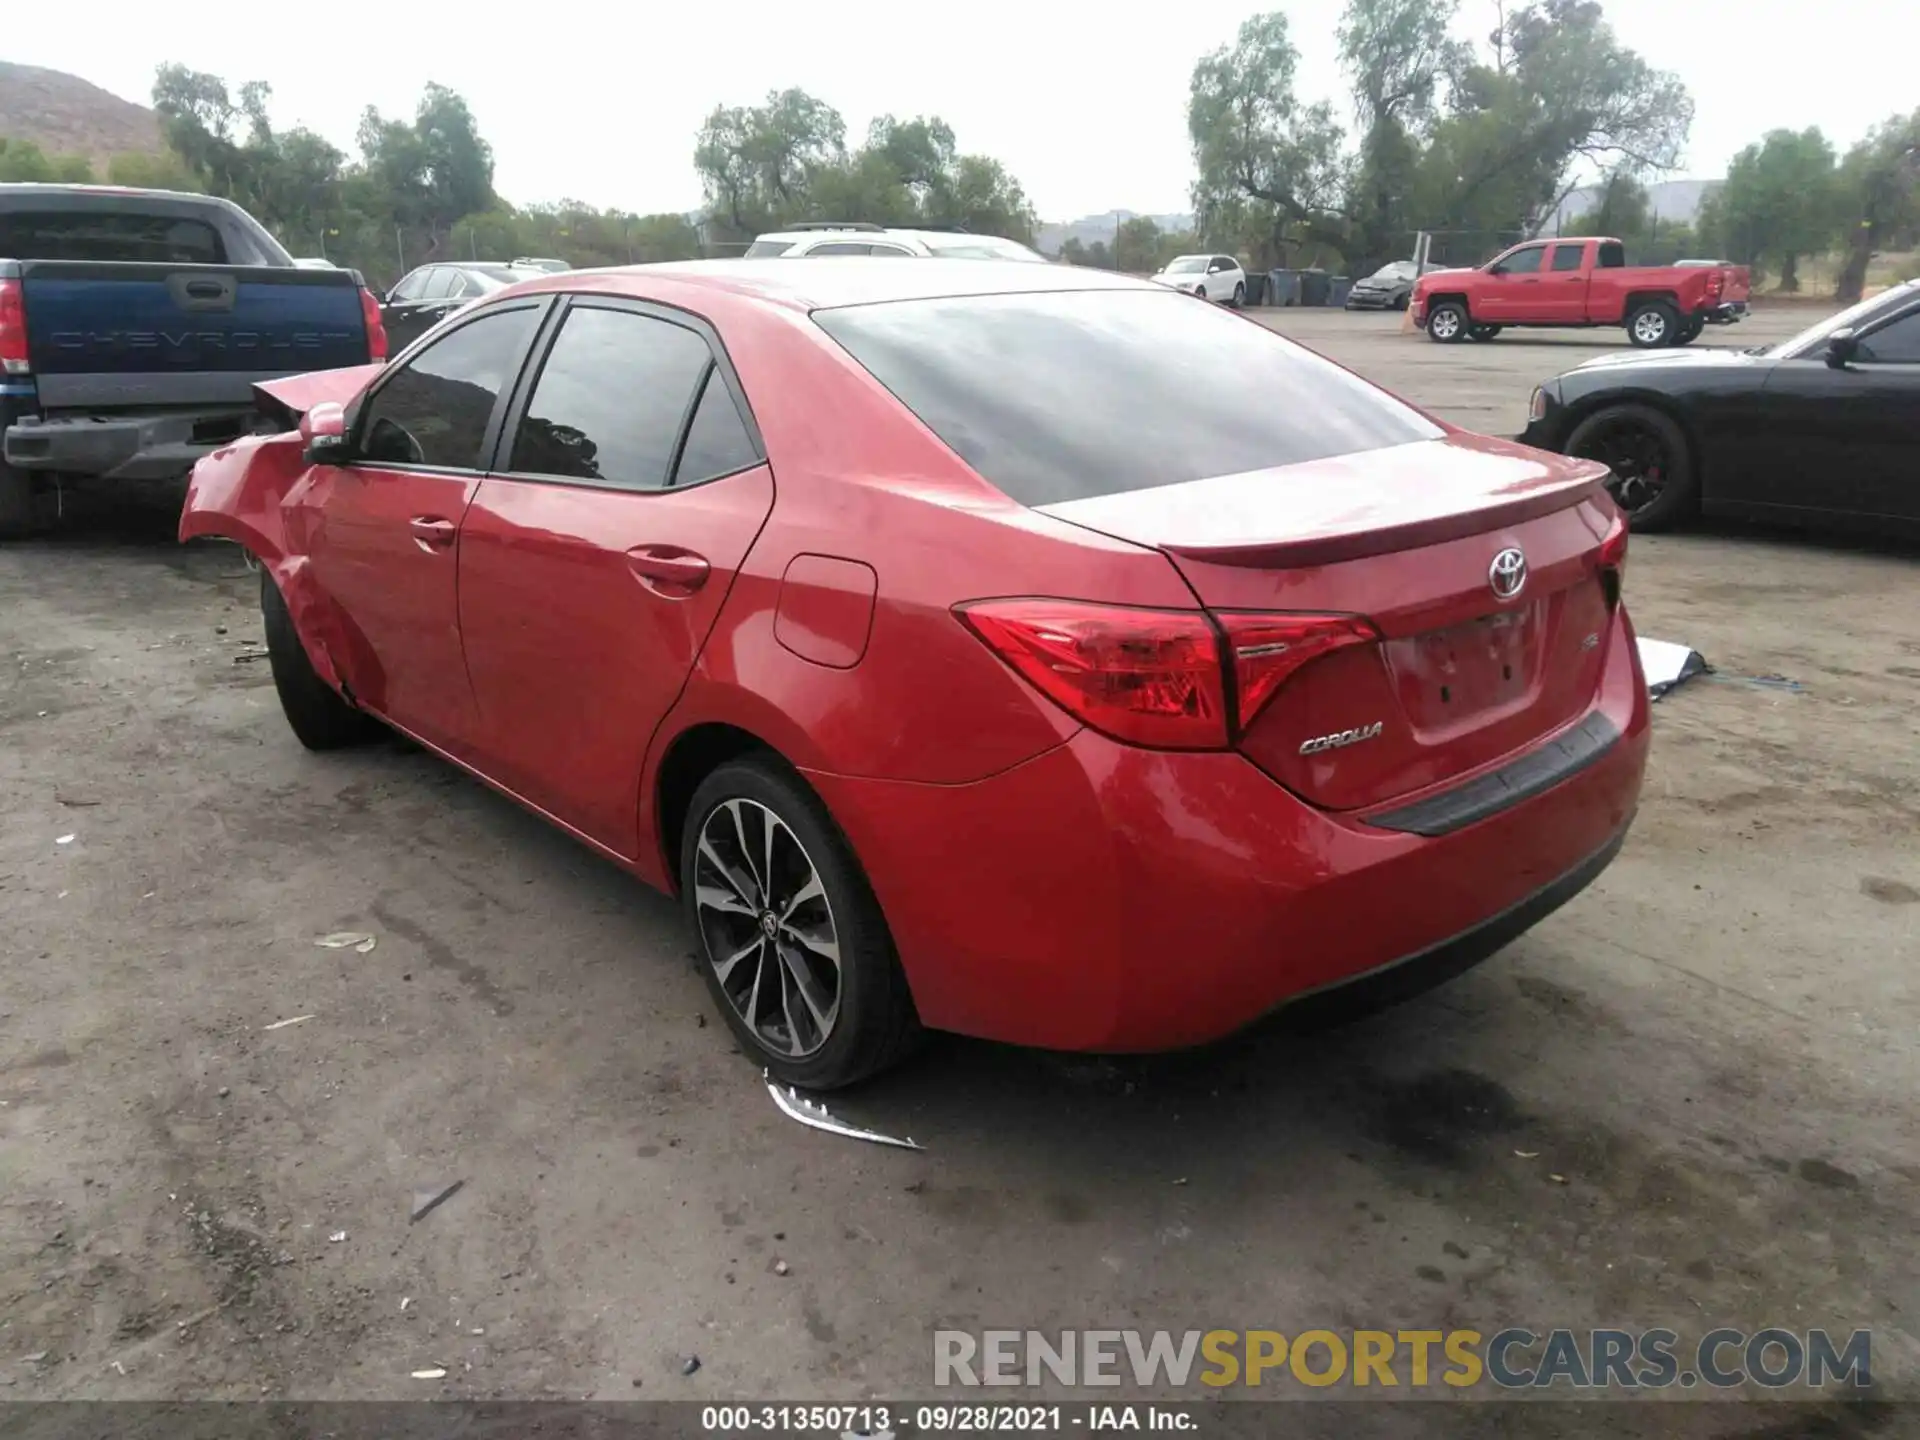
(835, 281)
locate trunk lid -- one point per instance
(1460, 677)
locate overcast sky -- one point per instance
(1085, 104)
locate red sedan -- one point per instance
(1016, 650)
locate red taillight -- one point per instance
(1148, 677)
(376, 327)
(1613, 560)
(1716, 283)
(1267, 649)
(1154, 677)
(13, 329)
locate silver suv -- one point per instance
(832, 237)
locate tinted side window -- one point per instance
(1061, 396)
(1611, 257)
(410, 288)
(435, 410)
(1896, 344)
(1568, 257)
(1521, 262)
(760, 249)
(439, 284)
(841, 247)
(78, 235)
(610, 399)
(717, 441)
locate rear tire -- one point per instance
(1689, 331)
(319, 715)
(1653, 477)
(1201, 291)
(1483, 332)
(1447, 323)
(1652, 325)
(16, 504)
(1240, 295)
(756, 841)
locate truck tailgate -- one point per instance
(158, 334)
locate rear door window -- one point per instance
(109, 235)
(1062, 396)
(611, 399)
(1612, 256)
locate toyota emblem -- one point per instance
(1508, 574)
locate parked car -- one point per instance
(1210, 703)
(1211, 277)
(1578, 283)
(133, 325)
(426, 296)
(1825, 426)
(1388, 288)
(534, 262)
(817, 239)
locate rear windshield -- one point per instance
(1067, 395)
(117, 235)
(761, 249)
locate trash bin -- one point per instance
(1342, 287)
(1283, 287)
(1313, 287)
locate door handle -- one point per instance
(668, 570)
(430, 532)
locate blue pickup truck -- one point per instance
(133, 327)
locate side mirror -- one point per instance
(1842, 346)
(324, 429)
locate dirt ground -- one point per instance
(1692, 1097)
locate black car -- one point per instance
(1825, 426)
(431, 293)
(1388, 288)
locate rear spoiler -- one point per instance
(292, 396)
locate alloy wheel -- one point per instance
(1637, 458)
(767, 927)
(1649, 327)
(1444, 324)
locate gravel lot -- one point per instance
(1689, 1098)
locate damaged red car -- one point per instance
(1020, 651)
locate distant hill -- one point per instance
(65, 115)
(1089, 228)
(1676, 200)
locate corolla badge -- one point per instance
(1507, 574)
(1340, 739)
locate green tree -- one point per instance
(1399, 57)
(1622, 208)
(1879, 185)
(1778, 203)
(1561, 91)
(1271, 172)
(757, 163)
(1136, 245)
(22, 161)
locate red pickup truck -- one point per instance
(1586, 282)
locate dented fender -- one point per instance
(252, 493)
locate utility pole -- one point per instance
(400, 248)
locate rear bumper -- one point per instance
(150, 447)
(1728, 313)
(1102, 897)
